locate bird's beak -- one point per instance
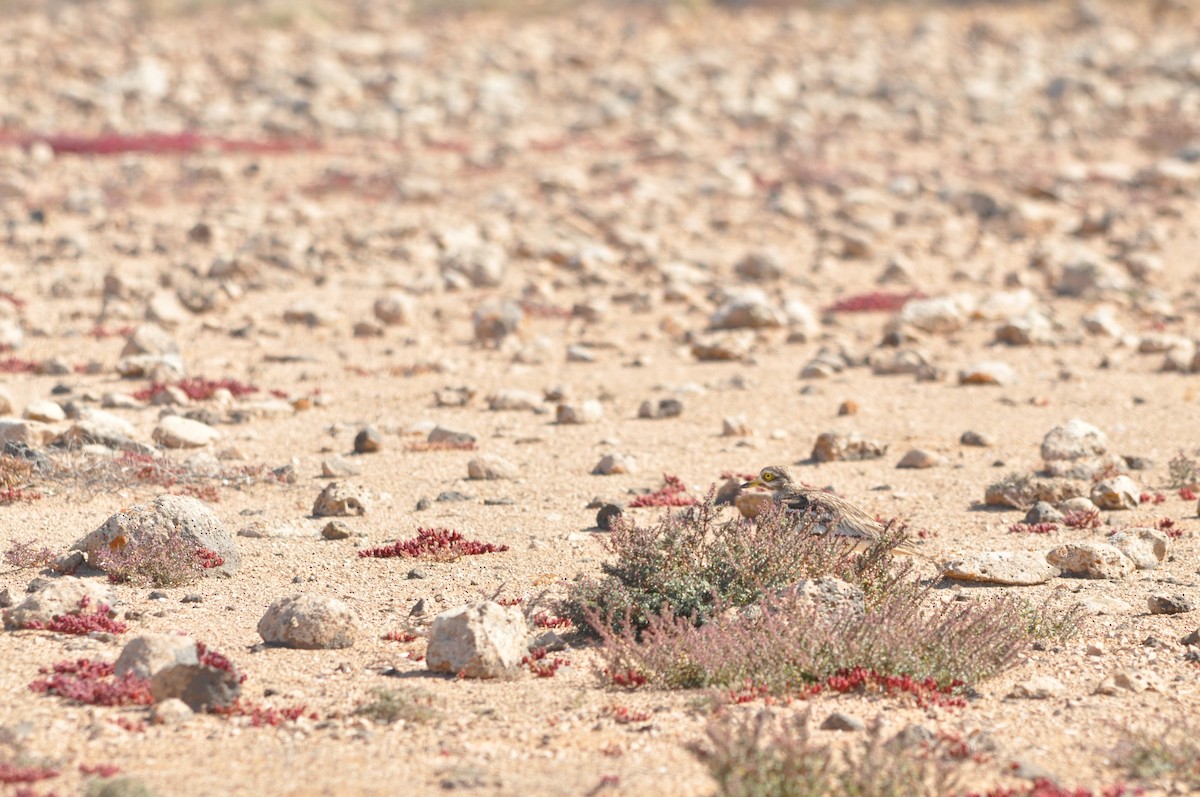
(753, 483)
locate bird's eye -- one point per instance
(768, 476)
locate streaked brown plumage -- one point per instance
(827, 509)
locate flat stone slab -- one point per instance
(1007, 568)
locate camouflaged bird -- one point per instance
(825, 508)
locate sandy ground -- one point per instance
(336, 227)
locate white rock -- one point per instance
(309, 622)
(146, 655)
(63, 596)
(490, 466)
(919, 458)
(937, 316)
(196, 524)
(395, 308)
(341, 499)
(588, 411)
(1039, 687)
(480, 640)
(510, 399)
(987, 372)
(1075, 439)
(175, 431)
(611, 464)
(1010, 568)
(1119, 492)
(1091, 560)
(747, 310)
(1147, 548)
(45, 411)
(1136, 681)
(34, 434)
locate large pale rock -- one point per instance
(62, 596)
(1147, 548)
(1010, 568)
(146, 655)
(588, 411)
(513, 399)
(834, 446)
(1091, 560)
(491, 466)
(1131, 680)
(150, 339)
(1022, 492)
(200, 686)
(937, 316)
(1119, 492)
(988, 372)
(1075, 439)
(748, 310)
(1038, 687)
(175, 431)
(395, 308)
(340, 499)
(45, 411)
(197, 525)
(481, 640)
(309, 622)
(34, 434)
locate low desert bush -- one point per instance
(693, 563)
(388, 706)
(788, 644)
(696, 601)
(1183, 471)
(763, 756)
(160, 561)
(1171, 754)
(22, 555)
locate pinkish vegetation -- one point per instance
(264, 716)
(13, 299)
(1151, 498)
(1167, 526)
(218, 661)
(623, 715)
(198, 388)
(1082, 519)
(400, 636)
(443, 545)
(874, 302)
(1033, 528)
(92, 683)
(11, 774)
(672, 493)
(166, 561)
(542, 664)
(17, 365)
(1187, 494)
(22, 555)
(182, 143)
(100, 770)
(544, 620)
(1046, 788)
(82, 622)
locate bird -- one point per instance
(826, 509)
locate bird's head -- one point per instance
(773, 478)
